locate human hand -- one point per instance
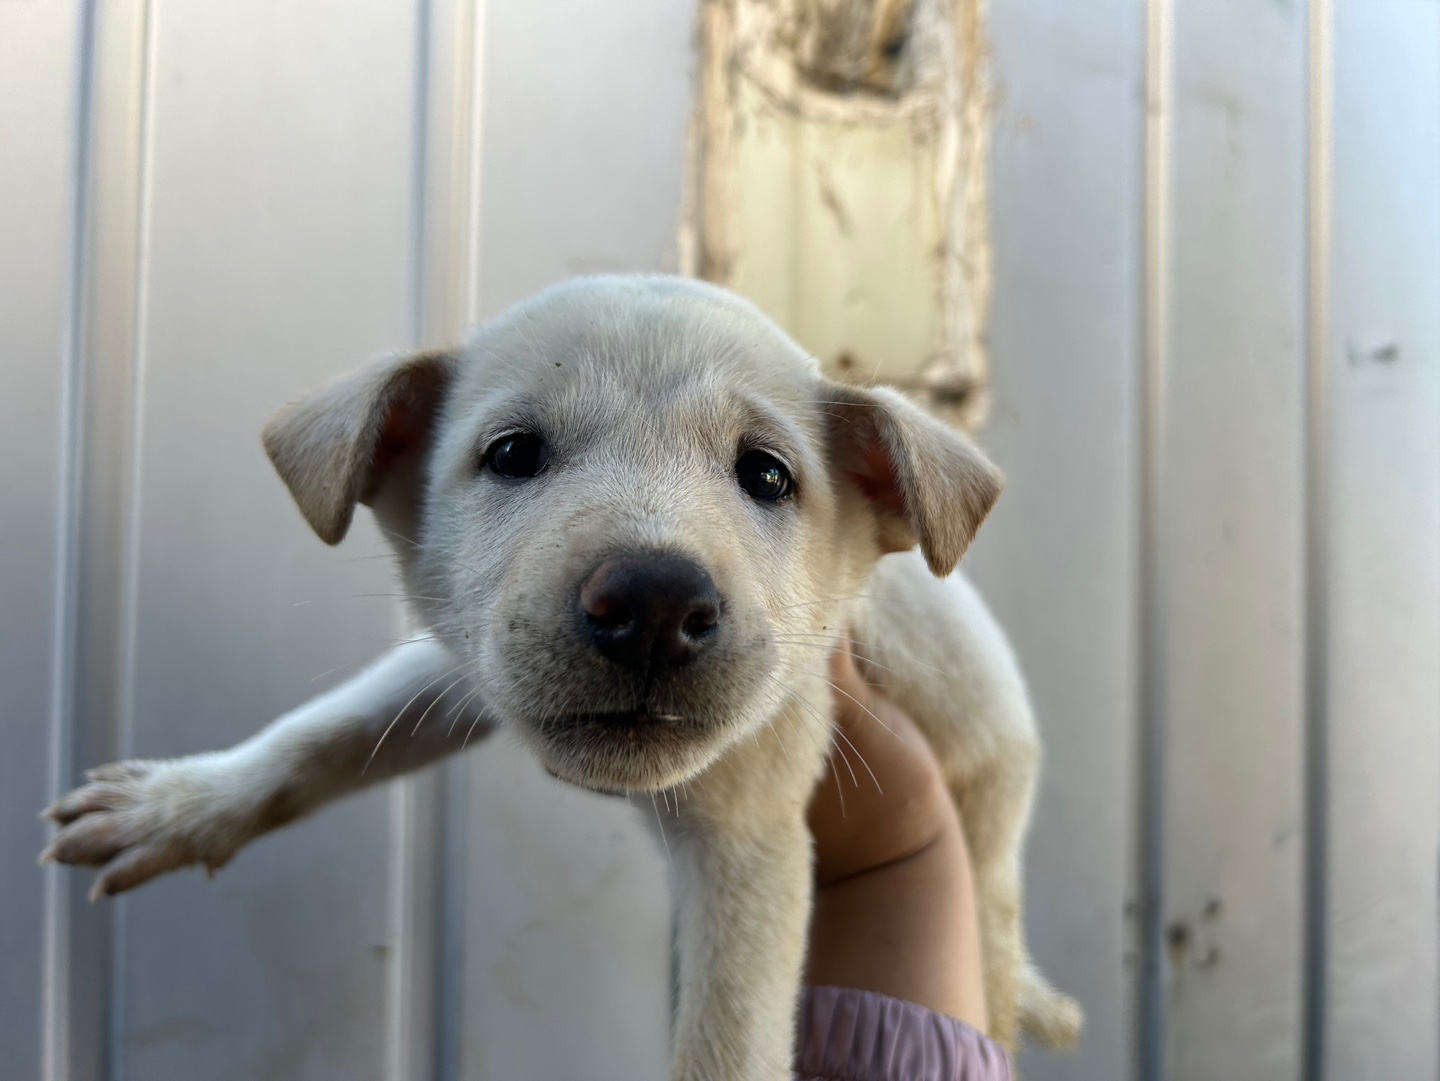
(894, 895)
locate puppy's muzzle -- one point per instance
(650, 612)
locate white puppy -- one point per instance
(634, 519)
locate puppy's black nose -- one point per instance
(650, 611)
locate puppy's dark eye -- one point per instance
(763, 476)
(518, 456)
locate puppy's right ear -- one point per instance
(334, 448)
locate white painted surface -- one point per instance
(38, 83)
(1056, 560)
(255, 280)
(1381, 915)
(1231, 540)
(585, 110)
(254, 227)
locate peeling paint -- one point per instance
(837, 176)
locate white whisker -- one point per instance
(401, 713)
(438, 698)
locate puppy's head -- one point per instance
(635, 509)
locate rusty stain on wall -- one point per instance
(837, 176)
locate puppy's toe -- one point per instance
(89, 842)
(131, 770)
(133, 868)
(85, 800)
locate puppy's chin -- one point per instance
(623, 752)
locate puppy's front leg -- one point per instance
(140, 819)
(743, 871)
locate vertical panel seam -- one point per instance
(1159, 75)
(139, 349)
(1319, 128)
(55, 983)
(420, 168)
(130, 577)
(474, 126)
(467, 98)
(407, 956)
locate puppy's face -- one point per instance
(635, 509)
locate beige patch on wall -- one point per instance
(837, 167)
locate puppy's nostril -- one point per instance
(605, 607)
(609, 614)
(701, 622)
(613, 620)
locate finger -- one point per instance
(82, 801)
(90, 842)
(137, 866)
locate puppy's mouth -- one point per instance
(646, 731)
(624, 750)
(630, 721)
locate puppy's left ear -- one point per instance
(336, 447)
(925, 482)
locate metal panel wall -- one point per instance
(40, 92)
(1379, 250)
(1230, 368)
(274, 209)
(1219, 553)
(1057, 558)
(213, 281)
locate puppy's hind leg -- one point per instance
(936, 650)
(994, 806)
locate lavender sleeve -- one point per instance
(848, 1035)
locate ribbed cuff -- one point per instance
(848, 1035)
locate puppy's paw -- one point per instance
(1049, 1017)
(135, 820)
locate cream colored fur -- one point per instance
(646, 390)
